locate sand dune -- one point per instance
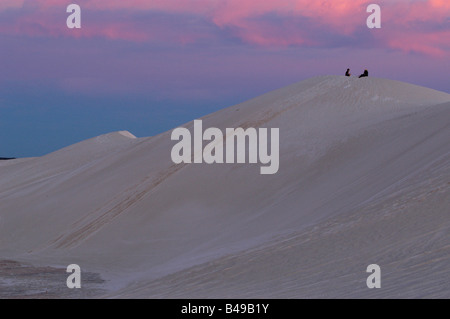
(364, 178)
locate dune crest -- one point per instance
(127, 134)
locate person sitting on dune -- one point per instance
(365, 74)
(347, 73)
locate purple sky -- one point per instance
(148, 66)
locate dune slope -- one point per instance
(364, 178)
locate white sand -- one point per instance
(364, 178)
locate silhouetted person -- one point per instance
(365, 74)
(347, 73)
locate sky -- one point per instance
(148, 66)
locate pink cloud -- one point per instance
(342, 14)
(434, 44)
(10, 4)
(419, 26)
(246, 20)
